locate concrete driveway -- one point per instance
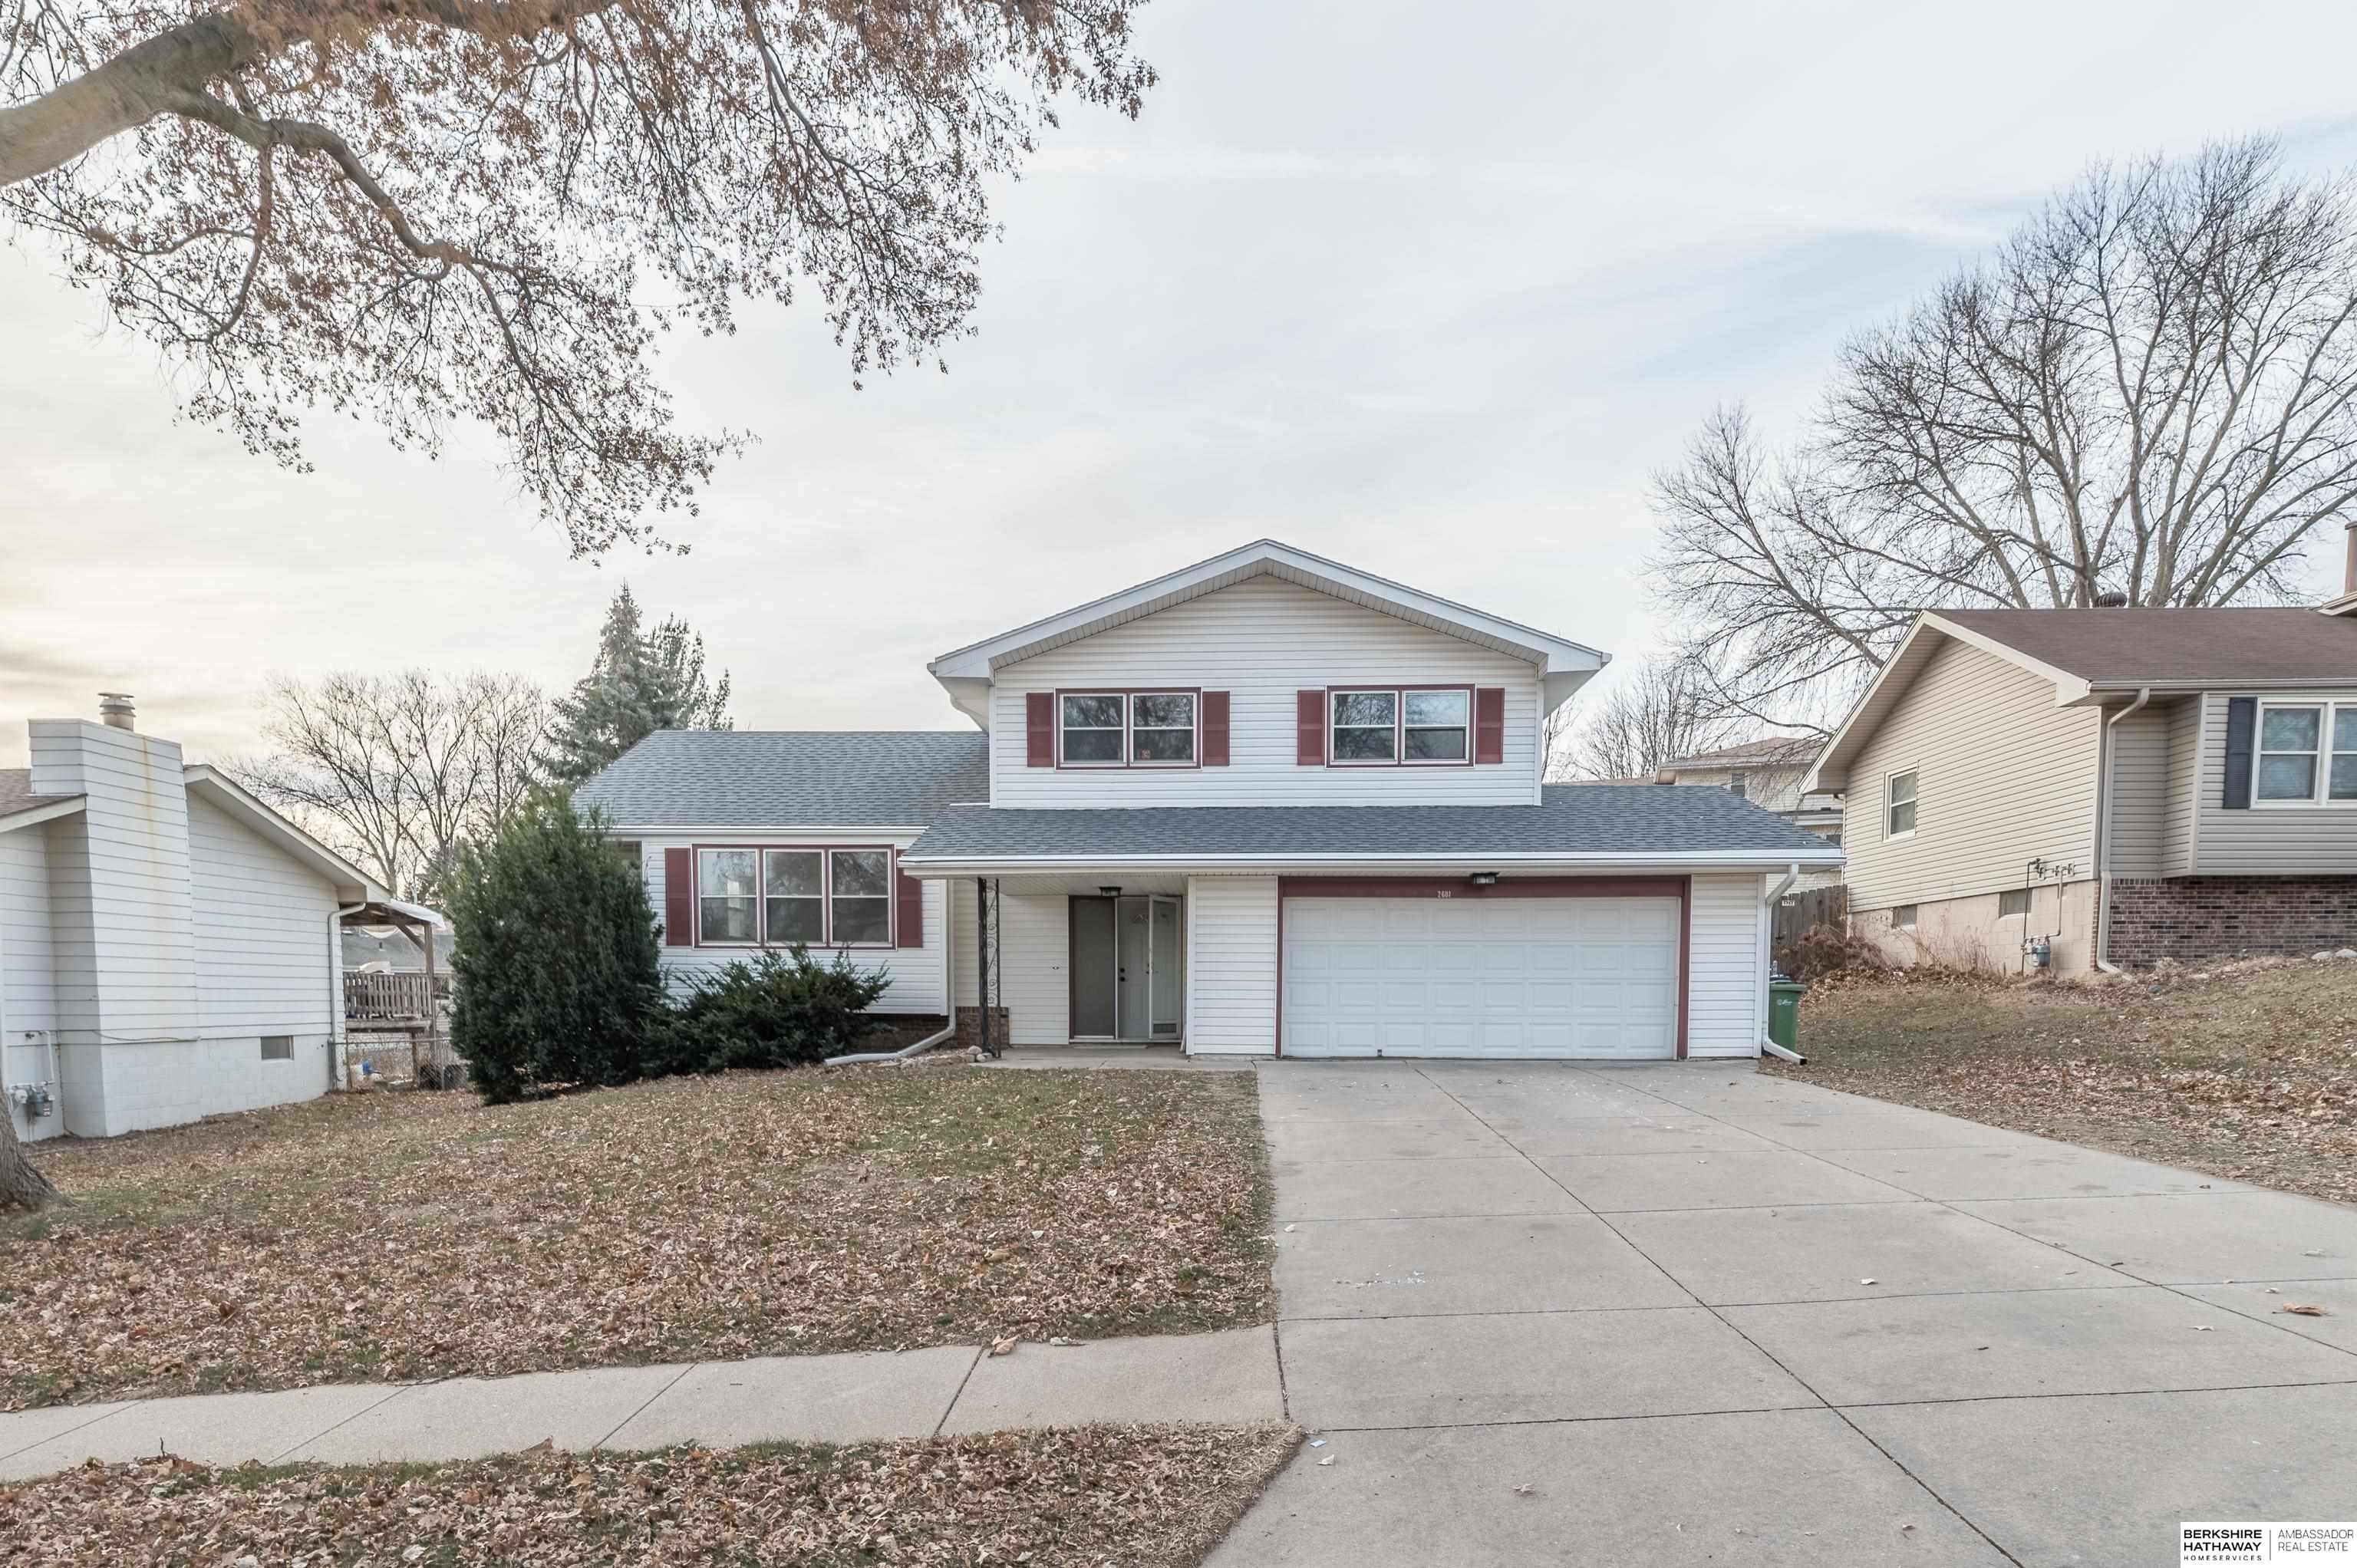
(1687, 1314)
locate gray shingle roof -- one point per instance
(2232, 646)
(17, 791)
(756, 779)
(1575, 820)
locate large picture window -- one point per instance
(2308, 752)
(1127, 729)
(781, 897)
(1401, 724)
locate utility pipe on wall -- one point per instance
(2104, 837)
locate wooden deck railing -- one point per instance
(389, 996)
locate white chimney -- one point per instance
(114, 710)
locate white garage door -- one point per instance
(1481, 977)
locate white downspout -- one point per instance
(2104, 838)
(948, 993)
(1768, 900)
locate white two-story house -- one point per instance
(1266, 804)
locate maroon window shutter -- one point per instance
(1038, 729)
(1490, 724)
(679, 899)
(1309, 729)
(910, 915)
(1215, 729)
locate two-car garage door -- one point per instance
(1481, 977)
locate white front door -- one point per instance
(1481, 977)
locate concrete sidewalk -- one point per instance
(1691, 1315)
(861, 1397)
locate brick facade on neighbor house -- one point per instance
(2195, 918)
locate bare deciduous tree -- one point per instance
(396, 771)
(426, 209)
(1653, 713)
(2146, 389)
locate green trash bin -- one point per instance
(1784, 1010)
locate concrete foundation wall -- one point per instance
(1969, 933)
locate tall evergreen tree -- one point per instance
(640, 682)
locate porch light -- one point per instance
(1483, 879)
(1114, 892)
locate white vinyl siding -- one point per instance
(2272, 840)
(263, 965)
(1232, 972)
(1263, 641)
(2002, 776)
(1037, 986)
(27, 991)
(915, 972)
(1725, 986)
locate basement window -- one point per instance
(1903, 917)
(2013, 901)
(278, 1048)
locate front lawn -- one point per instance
(1153, 1497)
(404, 1236)
(2248, 1072)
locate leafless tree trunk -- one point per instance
(22, 1187)
(1654, 713)
(2147, 389)
(397, 770)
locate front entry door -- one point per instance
(1092, 969)
(1126, 968)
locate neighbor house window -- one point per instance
(2307, 752)
(1735, 786)
(2013, 901)
(278, 1048)
(1903, 917)
(1898, 805)
(1133, 729)
(785, 897)
(1403, 725)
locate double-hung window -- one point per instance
(1401, 724)
(2308, 752)
(784, 897)
(1898, 805)
(1127, 729)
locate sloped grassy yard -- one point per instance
(1140, 1497)
(2246, 1071)
(400, 1235)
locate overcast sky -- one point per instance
(1430, 298)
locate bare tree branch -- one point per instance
(2150, 388)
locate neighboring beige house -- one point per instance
(1770, 773)
(2117, 785)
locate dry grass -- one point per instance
(421, 1235)
(2248, 1071)
(1150, 1497)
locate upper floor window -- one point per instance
(2308, 752)
(778, 898)
(1127, 729)
(1401, 724)
(1737, 786)
(1898, 805)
